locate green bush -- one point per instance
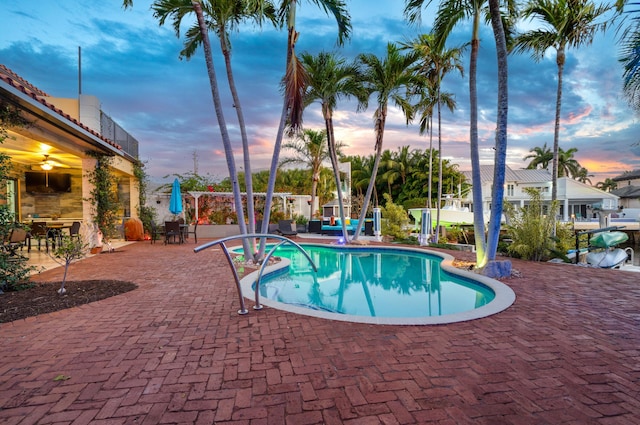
(395, 219)
(531, 229)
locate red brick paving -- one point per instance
(176, 351)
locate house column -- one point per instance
(565, 213)
(88, 209)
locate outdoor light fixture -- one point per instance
(46, 164)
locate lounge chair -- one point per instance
(287, 228)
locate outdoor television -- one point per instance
(40, 182)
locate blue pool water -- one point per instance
(372, 282)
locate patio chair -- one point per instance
(193, 232)
(172, 231)
(16, 240)
(39, 232)
(287, 228)
(156, 232)
(74, 230)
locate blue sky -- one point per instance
(131, 64)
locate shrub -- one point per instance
(531, 229)
(395, 219)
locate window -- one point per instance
(510, 190)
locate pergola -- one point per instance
(196, 195)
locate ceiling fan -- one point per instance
(47, 164)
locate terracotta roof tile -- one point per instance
(38, 95)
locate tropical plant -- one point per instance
(395, 219)
(434, 64)
(583, 176)
(531, 229)
(295, 81)
(329, 79)
(567, 165)
(540, 157)
(607, 185)
(205, 13)
(103, 193)
(449, 14)
(309, 149)
(566, 24)
(223, 16)
(391, 79)
(630, 58)
(146, 214)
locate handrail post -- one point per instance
(222, 241)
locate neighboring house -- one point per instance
(628, 189)
(628, 178)
(49, 156)
(577, 200)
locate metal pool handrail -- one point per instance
(265, 261)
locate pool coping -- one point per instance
(504, 295)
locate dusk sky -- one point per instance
(131, 64)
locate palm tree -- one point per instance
(500, 155)
(398, 167)
(630, 58)
(330, 78)
(567, 165)
(309, 149)
(391, 78)
(567, 23)
(607, 185)
(295, 81)
(450, 13)
(222, 17)
(540, 157)
(435, 63)
(199, 34)
(583, 176)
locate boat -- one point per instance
(608, 239)
(451, 214)
(603, 251)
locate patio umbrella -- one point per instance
(175, 203)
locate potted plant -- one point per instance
(301, 223)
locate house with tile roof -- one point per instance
(577, 200)
(51, 155)
(628, 189)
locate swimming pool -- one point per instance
(384, 285)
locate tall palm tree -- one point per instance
(500, 153)
(330, 78)
(295, 81)
(449, 14)
(309, 149)
(222, 16)
(391, 78)
(434, 64)
(566, 24)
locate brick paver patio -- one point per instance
(175, 351)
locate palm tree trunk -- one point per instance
(374, 172)
(248, 181)
(336, 172)
(429, 203)
(439, 200)
(556, 130)
(228, 150)
(273, 170)
(497, 197)
(474, 151)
